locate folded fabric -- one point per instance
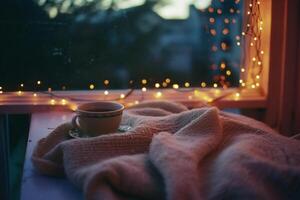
(175, 153)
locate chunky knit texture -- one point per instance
(176, 154)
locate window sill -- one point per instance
(27, 102)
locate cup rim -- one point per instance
(118, 111)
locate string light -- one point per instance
(92, 86)
(122, 96)
(187, 84)
(144, 81)
(106, 82)
(158, 94)
(168, 80)
(106, 92)
(144, 89)
(39, 82)
(34, 94)
(203, 84)
(175, 86)
(52, 101)
(63, 102)
(157, 85)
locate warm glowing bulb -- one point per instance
(257, 84)
(19, 92)
(212, 20)
(136, 102)
(228, 72)
(261, 52)
(164, 84)
(223, 65)
(106, 82)
(261, 28)
(106, 92)
(144, 81)
(238, 43)
(187, 84)
(122, 96)
(250, 5)
(241, 81)
(63, 102)
(251, 44)
(157, 85)
(22, 85)
(243, 84)
(144, 89)
(52, 102)
(92, 86)
(34, 94)
(258, 3)
(49, 89)
(158, 94)
(0, 88)
(257, 77)
(259, 63)
(175, 86)
(243, 33)
(242, 69)
(252, 86)
(39, 82)
(255, 38)
(168, 80)
(253, 59)
(203, 84)
(237, 94)
(215, 85)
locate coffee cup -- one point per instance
(97, 118)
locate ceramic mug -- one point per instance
(97, 118)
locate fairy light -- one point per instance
(215, 85)
(63, 102)
(136, 102)
(19, 92)
(39, 82)
(168, 80)
(52, 101)
(223, 65)
(34, 94)
(1, 92)
(106, 92)
(106, 82)
(237, 94)
(144, 89)
(157, 85)
(164, 84)
(175, 86)
(0, 88)
(228, 72)
(187, 84)
(203, 84)
(92, 86)
(22, 85)
(144, 81)
(257, 77)
(122, 96)
(158, 94)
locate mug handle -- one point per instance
(74, 122)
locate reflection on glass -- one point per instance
(78, 43)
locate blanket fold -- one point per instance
(175, 153)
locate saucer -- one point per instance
(75, 133)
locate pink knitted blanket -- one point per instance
(175, 153)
